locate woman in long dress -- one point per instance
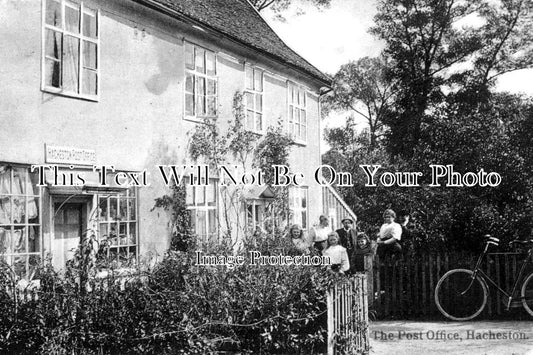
(389, 235)
(319, 234)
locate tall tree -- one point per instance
(421, 43)
(361, 88)
(426, 40)
(507, 44)
(445, 57)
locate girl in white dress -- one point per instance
(337, 254)
(298, 239)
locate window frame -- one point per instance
(196, 74)
(205, 207)
(10, 226)
(296, 106)
(81, 38)
(294, 211)
(257, 217)
(131, 193)
(254, 92)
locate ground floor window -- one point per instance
(20, 220)
(202, 202)
(254, 214)
(117, 224)
(298, 213)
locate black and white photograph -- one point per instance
(238, 177)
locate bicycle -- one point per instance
(462, 294)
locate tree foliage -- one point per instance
(505, 37)
(493, 139)
(280, 5)
(443, 58)
(362, 89)
(432, 46)
(274, 149)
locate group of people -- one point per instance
(346, 247)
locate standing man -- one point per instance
(348, 239)
(347, 235)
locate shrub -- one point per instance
(176, 307)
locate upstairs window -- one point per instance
(297, 113)
(254, 99)
(70, 49)
(200, 82)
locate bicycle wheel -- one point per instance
(460, 297)
(527, 294)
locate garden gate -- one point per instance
(348, 331)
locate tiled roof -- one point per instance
(238, 20)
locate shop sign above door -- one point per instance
(69, 155)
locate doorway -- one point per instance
(69, 225)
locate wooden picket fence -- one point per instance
(348, 331)
(404, 286)
(27, 295)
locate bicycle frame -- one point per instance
(510, 296)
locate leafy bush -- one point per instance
(176, 307)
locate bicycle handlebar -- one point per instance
(522, 242)
(491, 240)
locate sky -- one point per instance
(328, 38)
(331, 37)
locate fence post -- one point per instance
(432, 284)
(331, 324)
(369, 271)
(375, 271)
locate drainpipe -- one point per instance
(323, 92)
